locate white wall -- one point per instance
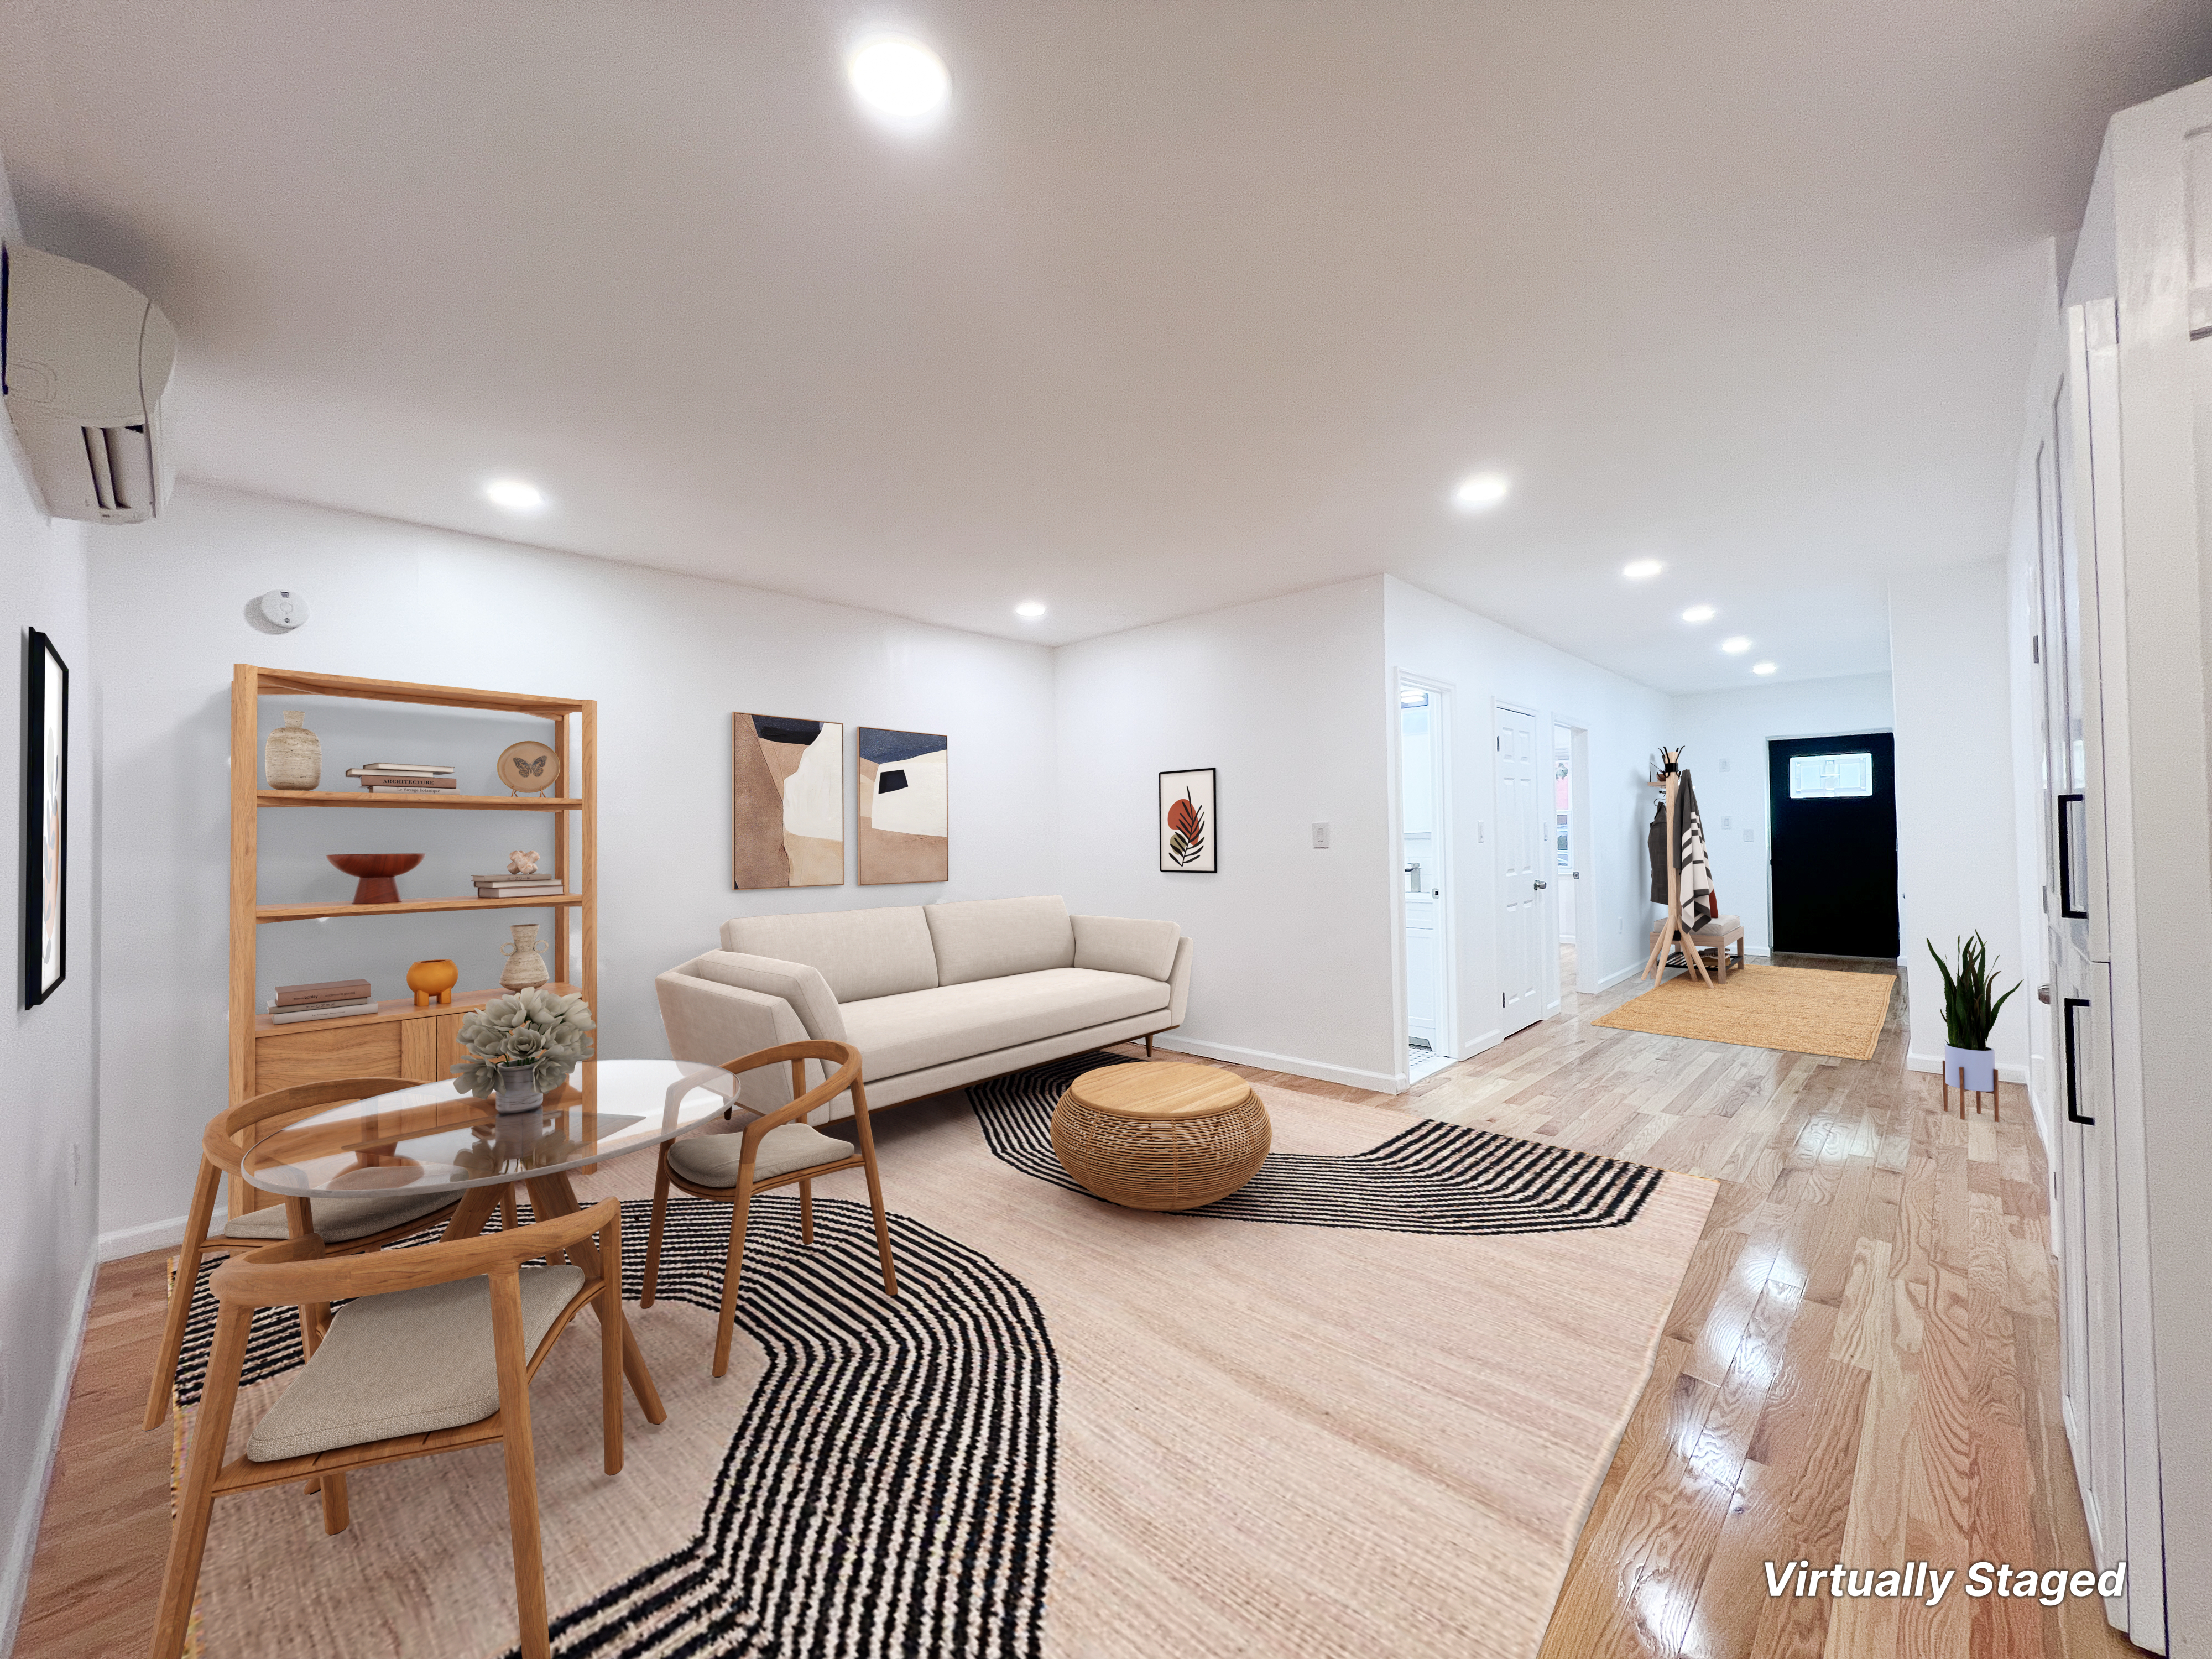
(1727, 733)
(1287, 700)
(668, 658)
(1483, 662)
(1957, 865)
(46, 1096)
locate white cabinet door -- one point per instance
(1423, 966)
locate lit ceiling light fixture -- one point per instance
(1480, 491)
(899, 80)
(1639, 570)
(1698, 613)
(514, 494)
(1029, 609)
(1736, 646)
(1762, 668)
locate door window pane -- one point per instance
(1823, 777)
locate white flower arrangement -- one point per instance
(532, 1028)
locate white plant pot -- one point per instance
(1974, 1069)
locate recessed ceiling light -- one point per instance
(1735, 645)
(515, 495)
(1638, 570)
(1698, 613)
(898, 80)
(1762, 668)
(1480, 491)
(1029, 609)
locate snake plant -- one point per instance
(1968, 1010)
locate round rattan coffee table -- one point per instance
(1161, 1135)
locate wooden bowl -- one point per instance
(376, 871)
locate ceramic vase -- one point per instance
(1974, 1069)
(526, 967)
(293, 758)
(435, 978)
(518, 1089)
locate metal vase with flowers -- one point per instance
(522, 1047)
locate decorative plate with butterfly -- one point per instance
(529, 768)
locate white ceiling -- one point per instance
(1185, 305)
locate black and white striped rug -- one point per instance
(1429, 1177)
(890, 1489)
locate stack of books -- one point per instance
(328, 1000)
(403, 778)
(514, 886)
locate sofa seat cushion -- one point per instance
(900, 1034)
(860, 953)
(405, 1363)
(711, 1160)
(341, 1220)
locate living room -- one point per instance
(985, 431)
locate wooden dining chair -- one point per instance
(437, 1354)
(346, 1226)
(775, 1150)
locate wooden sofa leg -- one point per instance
(1148, 1045)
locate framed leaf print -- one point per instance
(1186, 825)
(46, 819)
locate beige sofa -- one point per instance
(934, 996)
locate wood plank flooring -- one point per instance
(1861, 1363)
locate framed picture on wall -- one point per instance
(787, 802)
(1187, 831)
(905, 822)
(46, 818)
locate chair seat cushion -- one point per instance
(341, 1220)
(712, 1160)
(1718, 927)
(405, 1363)
(900, 1034)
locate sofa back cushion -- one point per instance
(858, 953)
(796, 983)
(990, 938)
(1124, 944)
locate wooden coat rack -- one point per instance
(1672, 930)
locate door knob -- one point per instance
(1541, 885)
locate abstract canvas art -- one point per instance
(46, 819)
(1187, 826)
(787, 802)
(902, 807)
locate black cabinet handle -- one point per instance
(2072, 903)
(2074, 1113)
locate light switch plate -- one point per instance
(1320, 838)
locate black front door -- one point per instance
(1834, 863)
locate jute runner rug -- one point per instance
(1806, 1010)
(1359, 1409)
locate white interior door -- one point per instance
(1525, 861)
(1421, 780)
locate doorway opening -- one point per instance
(1574, 891)
(1832, 806)
(1423, 815)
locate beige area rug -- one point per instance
(1084, 1433)
(1806, 1010)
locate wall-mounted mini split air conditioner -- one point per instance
(84, 358)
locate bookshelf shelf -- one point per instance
(397, 1039)
(439, 803)
(411, 906)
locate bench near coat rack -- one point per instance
(1672, 930)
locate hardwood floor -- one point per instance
(1862, 1364)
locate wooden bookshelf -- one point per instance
(436, 803)
(398, 1040)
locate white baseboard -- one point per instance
(1381, 1082)
(152, 1236)
(1935, 1063)
(16, 1569)
(1612, 978)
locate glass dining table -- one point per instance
(430, 1137)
